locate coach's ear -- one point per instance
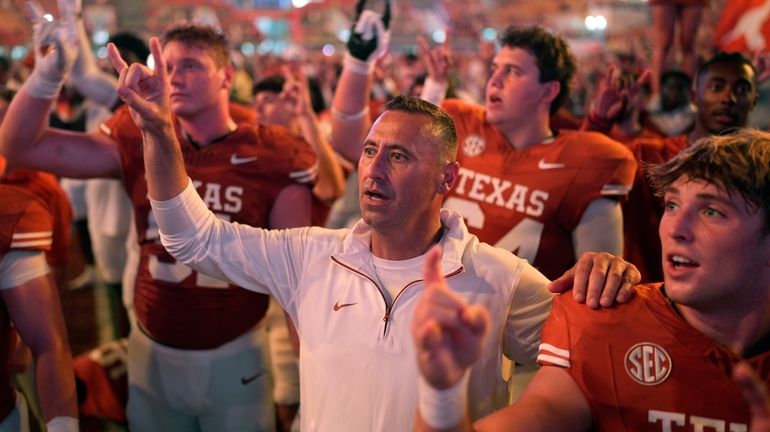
(448, 177)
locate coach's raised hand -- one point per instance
(144, 90)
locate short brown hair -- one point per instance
(441, 125)
(738, 162)
(554, 59)
(201, 36)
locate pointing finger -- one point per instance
(644, 78)
(753, 391)
(35, 11)
(423, 44)
(157, 55)
(432, 269)
(116, 59)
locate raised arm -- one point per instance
(331, 180)
(87, 77)
(437, 61)
(351, 119)
(613, 94)
(25, 138)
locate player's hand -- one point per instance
(69, 9)
(55, 47)
(448, 333)
(369, 38)
(761, 62)
(145, 91)
(755, 393)
(599, 278)
(437, 60)
(615, 92)
(295, 90)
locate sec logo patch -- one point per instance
(648, 363)
(473, 145)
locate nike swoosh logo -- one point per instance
(245, 381)
(543, 165)
(338, 306)
(235, 160)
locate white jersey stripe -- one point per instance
(308, 172)
(553, 360)
(22, 244)
(19, 236)
(615, 189)
(304, 179)
(554, 350)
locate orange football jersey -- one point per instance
(642, 367)
(529, 201)
(239, 177)
(46, 187)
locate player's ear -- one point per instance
(448, 177)
(229, 72)
(551, 90)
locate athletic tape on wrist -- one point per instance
(434, 91)
(63, 424)
(357, 65)
(41, 87)
(355, 116)
(442, 409)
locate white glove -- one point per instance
(60, 45)
(88, 79)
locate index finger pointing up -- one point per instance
(432, 269)
(116, 59)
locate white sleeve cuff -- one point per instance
(63, 424)
(434, 91)
(179, 214)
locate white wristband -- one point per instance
(442, 409)
(41, 87)
(63, 424)
(434, 91)
(357, 66)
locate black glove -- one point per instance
(369, 37)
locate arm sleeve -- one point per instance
(434, 91)
(600, 228)
(266, 261)
(21, 266)
(529, 308)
